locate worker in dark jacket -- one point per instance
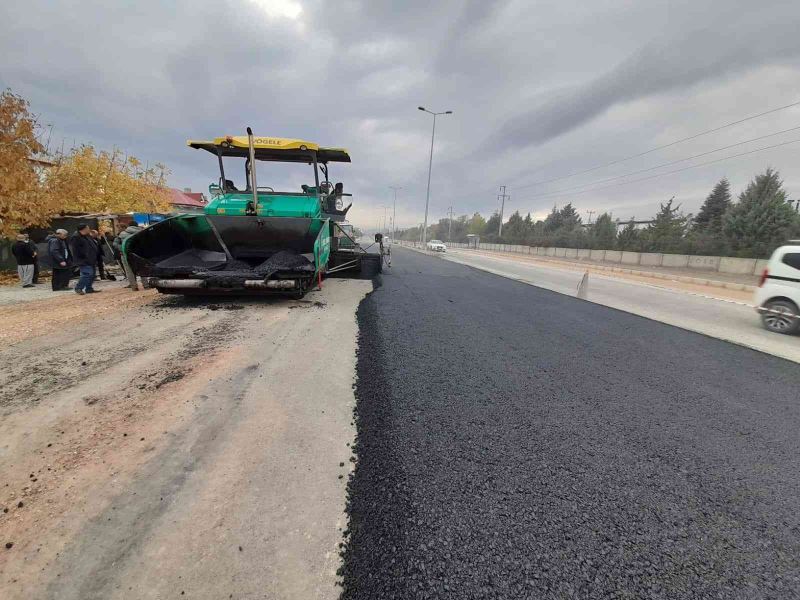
(84, 251)
(35, 250)
(61, 257)
(125, 234)
(25, 256)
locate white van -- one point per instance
(777, 298)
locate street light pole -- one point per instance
(394, 208)
(430, 167)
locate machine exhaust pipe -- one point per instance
(253, 183)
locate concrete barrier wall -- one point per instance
(651, 259)
(597, 254)
(742, 266)
(721, 264)
(631, 258)
(680, 261)
(705, 263)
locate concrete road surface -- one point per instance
(518, 443)
(700, 310)
(153, 447)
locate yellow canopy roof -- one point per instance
(271, 148)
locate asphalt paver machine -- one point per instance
(256, 240)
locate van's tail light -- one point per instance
(764, 275)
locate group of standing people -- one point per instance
(84, 250)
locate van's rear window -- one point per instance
(792, 259)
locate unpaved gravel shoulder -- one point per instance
(33, 318)
(177, 424)
(79, 417)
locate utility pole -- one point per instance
(394, 207)
(590, 213)
(502, 197)
(449, 224)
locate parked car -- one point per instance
(437, 246)
(777, 298)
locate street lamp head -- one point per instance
(449, 112)
(421, 107)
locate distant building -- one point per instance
(187, 201)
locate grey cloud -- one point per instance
(670, 65)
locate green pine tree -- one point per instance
(628, 238)
(570, 219)
(666, 232)
(604, 233)
(554, 221)
(714, 208)
(762, 219)
(514, 229)
(492, 226)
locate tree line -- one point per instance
(752, 226)
(36, 185)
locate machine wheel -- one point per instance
(785, 318)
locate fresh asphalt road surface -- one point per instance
(518, 443)
(724, 319)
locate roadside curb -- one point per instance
(729, 285)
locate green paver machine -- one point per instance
(255, 240)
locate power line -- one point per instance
(686, 139)
(675, 162)
(703, 164)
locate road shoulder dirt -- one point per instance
(206, 460)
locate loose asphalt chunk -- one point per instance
(522, 444)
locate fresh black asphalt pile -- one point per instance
(517, 443)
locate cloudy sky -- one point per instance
(540, 90)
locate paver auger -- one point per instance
(255, 240)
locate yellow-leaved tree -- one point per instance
(35, 187)
(89, 181)
(22, 201)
